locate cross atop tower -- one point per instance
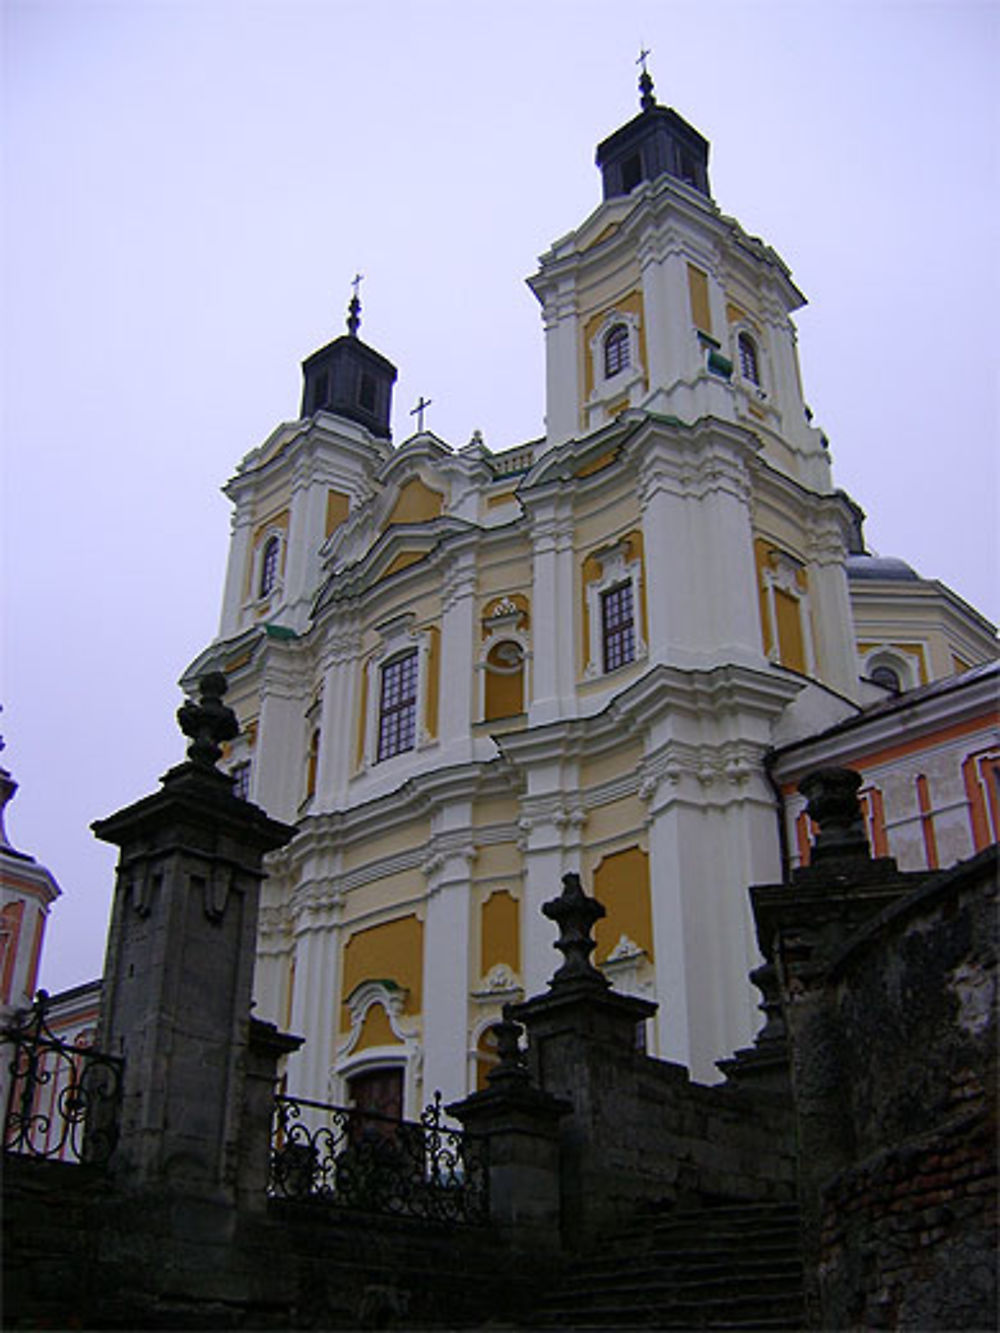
(418, 412)
(354, 309)
(646, 98)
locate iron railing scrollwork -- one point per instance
(62, 1100)
(360, 1160)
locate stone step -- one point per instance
(727, 1266)
(735, 1313)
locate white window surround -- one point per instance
(758, 391)
(258, 600)
(609, 387)
(616, 569)
(502, 627)
(905, 664)
(398, 637)
(405, 1055)
(784, 577)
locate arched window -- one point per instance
(616, 351)
(312, 763)
(269, 566)
(749, 363)
(887, 676)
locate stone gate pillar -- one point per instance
(179, 966)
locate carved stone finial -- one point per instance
(574, 912)
(511, 1068)
(209, 722)
(832, 803)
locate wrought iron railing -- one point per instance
(362, 1161)
(61, 1100)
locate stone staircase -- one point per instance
(716, 1266)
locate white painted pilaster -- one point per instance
(446, 972)
(240, 554)
(555, 623)
(315, 911)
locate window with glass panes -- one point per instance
(240, 774)
(615, 350)
(749, 367)
(269, 566)
(397, 718)
(618, 626)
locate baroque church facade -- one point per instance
(462, 674)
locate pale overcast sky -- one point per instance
(190, 186)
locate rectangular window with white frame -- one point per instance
(397, 718)
(617, 626)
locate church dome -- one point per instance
(885, 567)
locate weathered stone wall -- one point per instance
(79, 1255)
(640, 1131)
(908, 1229)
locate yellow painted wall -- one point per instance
(338, 506)
(605, 767)
(504, 689)
(402, 561)
(604, 460)
(486, 1058)
(790, 644)
(390, 843)
(630, 304)
(416, 503)
(376, 1030)
(701, 312)
(500, 933)
(621, 883)
(392, 951)
(610, 822)
(498, 858)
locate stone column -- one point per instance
(581, 1038)
(265, 1047)
(521, 1126)
(179, 966)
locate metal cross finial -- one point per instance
(354, 308)
(418, 412)
(646, 98)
